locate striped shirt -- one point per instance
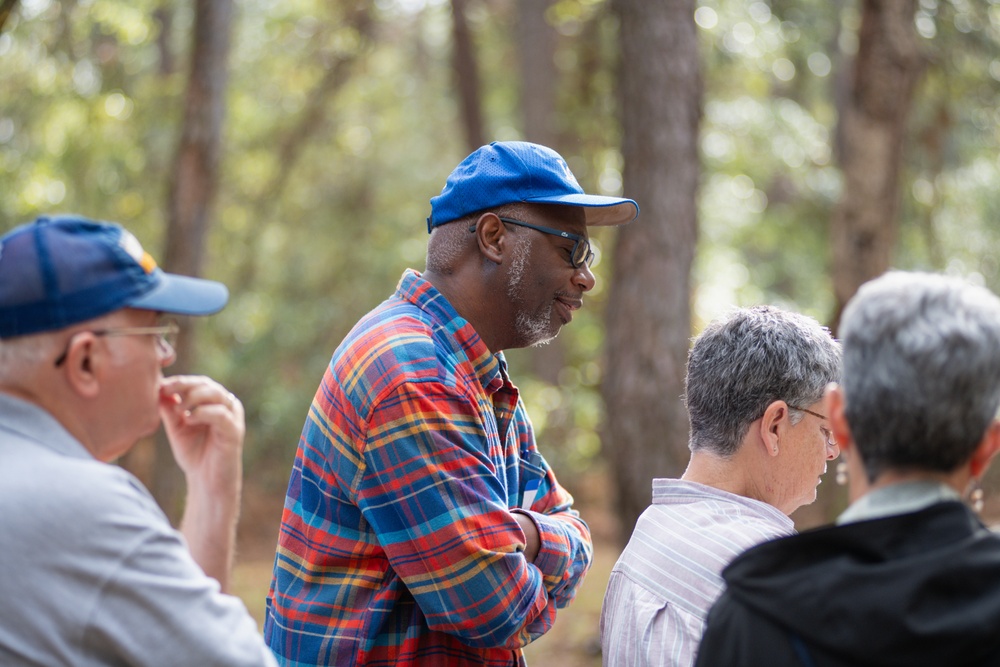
(666, 580)
(398, 544)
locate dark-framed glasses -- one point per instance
(827, 433)
(166, 337)
(581, 253)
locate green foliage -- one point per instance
(949, 208)
(341, 124)
(769, 182)
(768, 144)
(71, 134)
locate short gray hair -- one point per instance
(20, 353)
(449, 240)
(746, 360)
(921, 370)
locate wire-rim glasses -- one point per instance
(827, 433)
(166, 337)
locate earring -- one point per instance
(842, 473)
(976, 497)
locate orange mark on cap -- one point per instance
(147, 262)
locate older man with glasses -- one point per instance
(422, 526)
(93, 573)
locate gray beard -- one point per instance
(533, 328)
(536, 329)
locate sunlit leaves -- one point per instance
(324, 191)
(768, 182)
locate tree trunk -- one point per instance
(193, 185)
(934, 141)
(649, 314)
(536, 47)
(873, 125)
(164, 17)
(536, 41)
(6, 8)
(466, 70)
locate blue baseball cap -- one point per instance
(505, 172)
(57, 271)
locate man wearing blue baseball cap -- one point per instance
(93, 573)
(422, 526)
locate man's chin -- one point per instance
(537, 331)
(545, 341)
(544, 337)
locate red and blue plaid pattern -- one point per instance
(398, 545)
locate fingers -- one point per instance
(198, 401)
(205, 425)
(192, 394)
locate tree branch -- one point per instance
(6, 8)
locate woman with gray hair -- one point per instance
(759, 444)
(909, 575)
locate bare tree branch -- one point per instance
(296, 137)
(314, 113)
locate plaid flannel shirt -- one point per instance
(398, 545)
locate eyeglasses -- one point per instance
(581, 253)
(166, 337)
(827, 433)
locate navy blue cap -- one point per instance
(517, 171)
(58, 271)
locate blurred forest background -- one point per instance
(781, 151)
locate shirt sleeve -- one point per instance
(157, 607)
(641, 629)
(430, 489)
(566, 551)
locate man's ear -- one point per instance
(82, 365)
(986, 450)
(491, 235)
(775, 416)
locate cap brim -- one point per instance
(183, 295)
(600, 210)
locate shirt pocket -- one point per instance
(532, 480)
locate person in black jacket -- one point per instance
(909, 576)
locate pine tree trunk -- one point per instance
(536, 41)
(466, 67)
(886, 70)
(649, 314)
(192, 190)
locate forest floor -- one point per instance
(574, 640)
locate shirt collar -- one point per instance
(901, 498)
(31, 422)
(490, 369)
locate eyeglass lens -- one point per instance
(582, 254)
